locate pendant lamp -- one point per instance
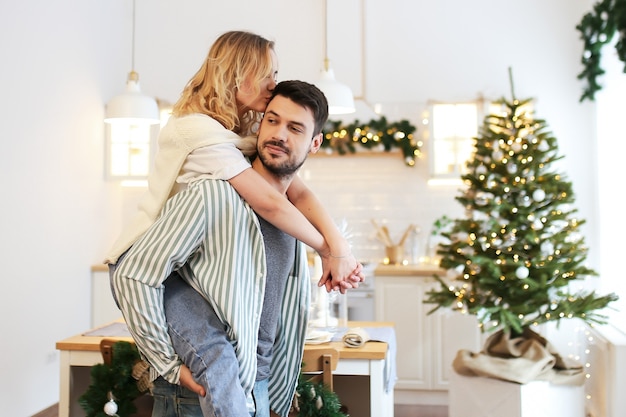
(132, 107)
(339, 95)
(131, 127)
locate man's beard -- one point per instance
(286, 169)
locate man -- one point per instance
(215, 242)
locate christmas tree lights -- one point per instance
(514, 259)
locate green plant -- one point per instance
(597, 28)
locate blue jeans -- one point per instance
(172, 400)
(201, 341)
(261, 398)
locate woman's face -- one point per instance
(247, 99)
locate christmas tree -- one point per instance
(514, 259)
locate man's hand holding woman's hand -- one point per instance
(341, 273)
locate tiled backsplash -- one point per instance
(358, 188)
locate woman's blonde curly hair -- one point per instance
(234, 57)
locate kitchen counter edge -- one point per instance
(425, 270)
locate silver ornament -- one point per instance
(110, 408)
(522, 272)
(511, 168)
(539, 194)
(319, 403)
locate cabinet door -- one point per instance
(400, 300)
(103, 307)
(427, 344)
(452, 331)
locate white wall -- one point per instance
(611, 148)
(63, 60)
(55, 207)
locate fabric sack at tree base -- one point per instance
(522, 359)
(355, 337)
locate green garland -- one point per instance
(597, 28)
(117, 378)
(377, 134)
(316, 400)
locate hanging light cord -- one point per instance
(326, 60)
(363, 57)
(133, 74)
(132, 63)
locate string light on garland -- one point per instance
(597, 29)
(378, 135)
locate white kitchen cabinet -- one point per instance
(103, 307)
(426, 344)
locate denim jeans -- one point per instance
(201, 341)
(172, 400)
(261, 399)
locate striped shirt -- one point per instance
(212, 237)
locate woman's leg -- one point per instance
(201, 341)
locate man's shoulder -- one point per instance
(203, 191)
(213, 191)
(208, 183)
(203, 185)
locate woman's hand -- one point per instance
(340, 273)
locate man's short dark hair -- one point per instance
(307, 95)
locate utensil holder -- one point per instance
(395, 254)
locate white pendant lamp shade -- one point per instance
(132, 107)
(339, 95)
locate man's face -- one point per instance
(286, 136)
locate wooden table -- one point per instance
(78, 353)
